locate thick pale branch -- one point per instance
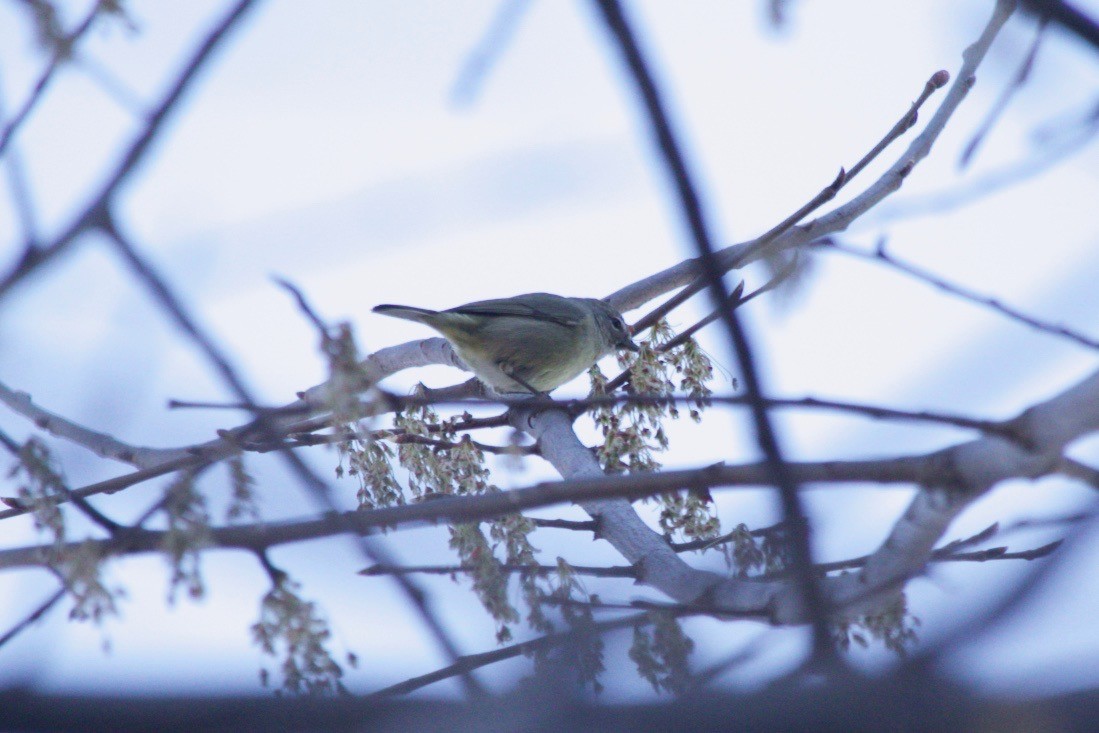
(101, 444)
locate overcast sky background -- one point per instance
(324, 145)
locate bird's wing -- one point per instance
(538, 306)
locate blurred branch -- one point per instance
(487, 52)
(1080, 471)
(93, 215)
(116, 89)
(1068, 17)
(40, 468)
(42, 609)
(985, 184)
(515, 450)
(998, 108)
(469, 662)
(60, 55)
(20, 189)
(882, 256)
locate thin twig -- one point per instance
(58, 484)
(33, 616)
(844, 177)
(948, 553)
(985, 184)
(20, 190)
(111, 485)
(882, 256)
(937, 81)
(60, 55)
(469, 662)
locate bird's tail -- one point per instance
(406, 312)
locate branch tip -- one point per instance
(841, 178)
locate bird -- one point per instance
(531, 343)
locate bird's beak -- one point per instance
(628, 344)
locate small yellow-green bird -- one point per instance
(528, 343)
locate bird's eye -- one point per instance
(617, 323)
